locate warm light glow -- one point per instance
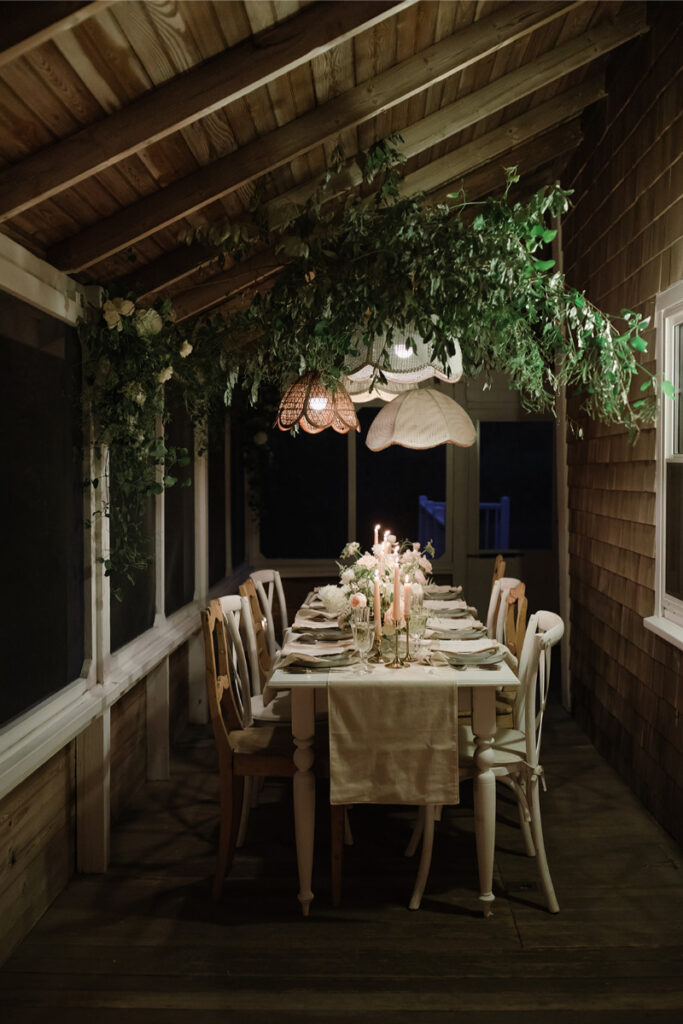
(318, 402)
(402, 351)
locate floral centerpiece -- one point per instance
(358, 571)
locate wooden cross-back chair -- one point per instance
(514, 627)
(495, 617)
(246, 750)
(498, 568)
(260, 627)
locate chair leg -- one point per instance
(428, 814)
(529, 847)
(337, 821)
(348, 834)
(250, 785)
(418, 829)
(230, 808)
(541, 859)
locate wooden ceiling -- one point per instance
(123, 124)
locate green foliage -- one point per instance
(359, 265)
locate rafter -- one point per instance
(278, 147)
(179, 102)
(435, 128)
(506, 141)
(240, 276)
(27, 25)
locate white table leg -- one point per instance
(303, 731)
(484, 728)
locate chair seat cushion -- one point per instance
(272, 740)
(278, 710)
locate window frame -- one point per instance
(667, 621)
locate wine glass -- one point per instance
(418, 628)
(363, 635)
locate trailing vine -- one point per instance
(358, 264)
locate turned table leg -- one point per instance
(484, 728)
(303, 731)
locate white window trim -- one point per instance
(667, 621)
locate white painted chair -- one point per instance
(495, 616)
(516, 753)
(238, 616)
(269, 584)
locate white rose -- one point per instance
(185, 349)
(347, 575)
(111, 316)
(165, 375)
(147, 323)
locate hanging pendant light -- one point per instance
(405, 364)
(421, 418)
(314, 407)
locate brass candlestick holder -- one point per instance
(377, 658)
(396, 663)
(408, 658)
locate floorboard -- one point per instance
(147, 943)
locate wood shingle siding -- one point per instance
(623, 245)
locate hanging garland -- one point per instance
(357, 267)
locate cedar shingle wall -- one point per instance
(622, 245)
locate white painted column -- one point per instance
(198, 708)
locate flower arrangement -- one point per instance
(358, 571)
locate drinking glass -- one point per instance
(363, 635)
(418, 627)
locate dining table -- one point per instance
(477, 686)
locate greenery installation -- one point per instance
(357, 266)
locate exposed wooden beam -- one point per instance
(278, 147)
(240, 276)
(514, 133)
(444, 123)
(174, 105)
(527, 158)
(27, 25)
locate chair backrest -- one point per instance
(542, 633)
(225, 694)
(495, 617)
(268, 583)
(514, 628)
(498, 569)
(241, 651)
(260, 629)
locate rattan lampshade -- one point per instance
(421, 418)
(407, 363)
(310, 404)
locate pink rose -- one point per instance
(358, 601)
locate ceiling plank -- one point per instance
(435, 128)
(242, 275)
(25, 26)
(278, 147)
(223, 79)
(495, 143)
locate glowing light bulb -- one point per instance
(318, 403)
(402, 351)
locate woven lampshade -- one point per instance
(310, 404)
(403, 364)
(421, 418)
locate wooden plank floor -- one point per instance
(146, 943)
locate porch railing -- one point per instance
(494, 524)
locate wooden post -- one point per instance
(92, 796)
(562, 509)
(198, 708)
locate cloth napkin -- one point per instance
(300, 633)
(318, 647)
(438, 590)
(311, 615)
(464, 622)
(319, 662)
(440, 603)
(393, 742)
(468, 646)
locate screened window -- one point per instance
(672, 421)
(41, 496)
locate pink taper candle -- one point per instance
(378, 608)
(397, 595)
(406, 601)
(377, 535)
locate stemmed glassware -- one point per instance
(363, 635)
(418, 627)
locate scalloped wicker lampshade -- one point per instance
(422, 418)
(310, 404)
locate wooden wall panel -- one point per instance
(37, 846)
(128, 747)
(622, 245)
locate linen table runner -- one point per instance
(393, 741)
